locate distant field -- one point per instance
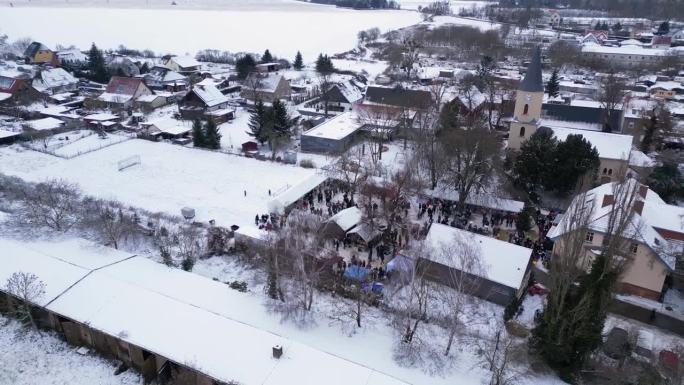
(284, 27)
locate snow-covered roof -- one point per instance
(169, 126)
(263, 82)
(667, 85)
(127, 296)
(639, 159)
(185, 61)
(5, 96)
(114, 98)
(501, 262)
(631, 42)
(336, 128)
(296, 192)
(210, 95)
(45, 124)
(148, 98)
(480, 199)
(347, 218)
(655, 214)
(53, 77)
(553, 123)
(102, 116)
(624, 50)
(609, 146)
(352, 92)
(8, 134)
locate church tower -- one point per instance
(528, 104)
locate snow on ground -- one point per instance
(29, 359)
(169, 178)
(482, 25)
(88, 144)
(456, 5)
(300, 27)
(373, 68)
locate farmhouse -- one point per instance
(654, 231)
(266, 87)
(121, 92)
(185, 65)
(164, 78)
(166, 323)
(54, 81)
(17, 92)
(203, 101)
(342, 96)
(38, 53)
(500, 270)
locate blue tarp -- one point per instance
(356, 272)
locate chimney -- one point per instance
(607, 200)
(643, 190)
(638, 207)
(277, 351)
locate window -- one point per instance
(610, 171)
(605, 171)
(589, 237)
(634, 248)
(526, 109)
(522, 131)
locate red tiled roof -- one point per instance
(123, 86)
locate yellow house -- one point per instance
(38, 53)
(650, 239)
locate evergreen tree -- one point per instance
(198, 134)
(187, 263)
(535, 160)
(617, 27)
(667, 181)
(298, 62)
(244, 66)
(573, 158)
(553, 86)
(96, 65)
(282, 123)
(212, 136)
(324, 64)
(259, 122)
(649, 134)
(524, 222)
(144, 68)
(664, 28)
(564, 340)
(267, 57)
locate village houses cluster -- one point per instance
(508, 177)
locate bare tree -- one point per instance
(498, 352)
(379, 121)
(28, 289)
(351, 168)
(109, 221)
(471, 158)
(190, 245)
(458, 307)
(53, 204)
(611, 96)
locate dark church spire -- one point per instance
(533, 78)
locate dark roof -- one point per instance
(399, 97)
(33, 49)
(124, 86)
(533, 77)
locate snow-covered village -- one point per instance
(341, 192)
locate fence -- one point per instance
(53, 151)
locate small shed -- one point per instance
(341, 223)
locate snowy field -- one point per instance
(456, 5)
(27, 358)
(169, 178)
(283, 27)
